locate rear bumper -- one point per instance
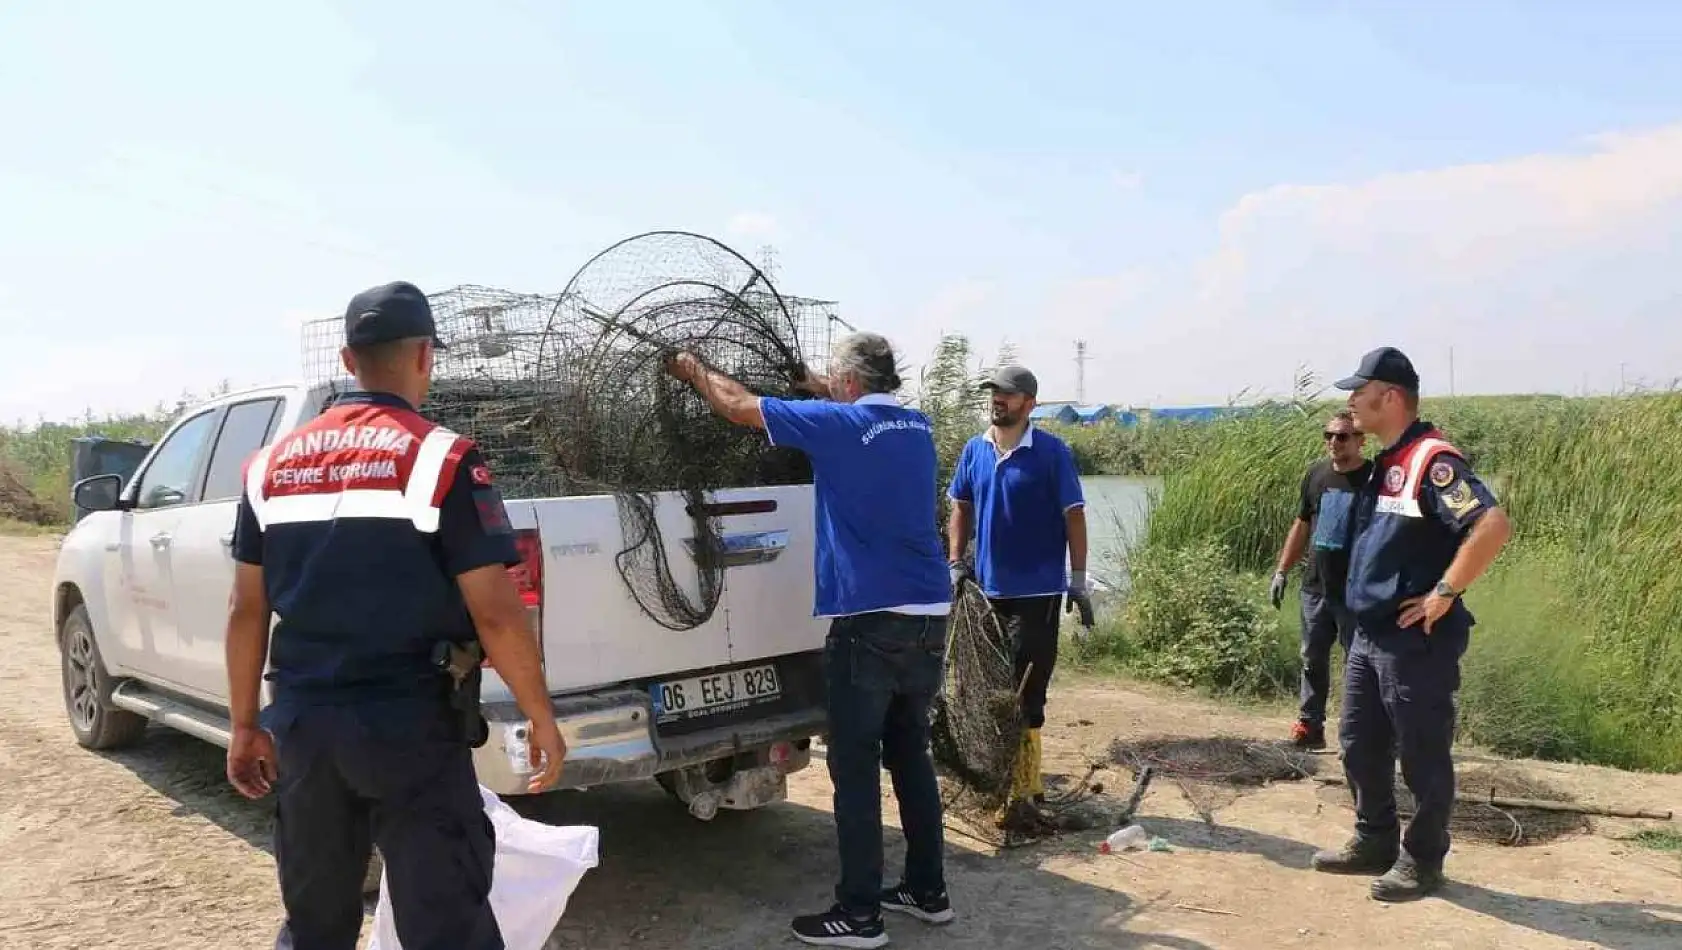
(611, 737)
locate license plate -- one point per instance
(714, 693)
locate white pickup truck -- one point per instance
(719, 714)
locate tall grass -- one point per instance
(40, 454)
(1578, 649)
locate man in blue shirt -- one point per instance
(880, 577)
(1018, 488)
(1424, 528)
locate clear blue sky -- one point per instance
(1211, 195)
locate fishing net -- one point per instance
(566, 395)
(977, 721)
(977, 727)
(1495, 822)
(1211, 771)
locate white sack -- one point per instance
(537, 867)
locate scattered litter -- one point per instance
(536, 868)
(1131, 838)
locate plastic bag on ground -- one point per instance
(537, 867)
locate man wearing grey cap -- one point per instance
(1018, 489)
(1423, 528)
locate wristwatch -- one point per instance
(1443, 590)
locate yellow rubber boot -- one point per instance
(1033, 780)
(1025, 778)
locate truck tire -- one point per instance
(87, 689)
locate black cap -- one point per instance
(395, 311)
(1013, 379)
(1385, 365)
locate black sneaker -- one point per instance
(837, 928)
(929, 910)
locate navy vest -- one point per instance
(1398, 549)
(349, 506)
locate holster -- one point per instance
(460, 662)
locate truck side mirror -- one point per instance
(97, 492)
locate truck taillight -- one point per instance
(528, 574)
(528, 580)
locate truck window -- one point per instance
(169, 479)
(244, 430)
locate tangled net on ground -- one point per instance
(1211, 770)
(1483, 820)
(566, 395)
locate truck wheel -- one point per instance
(87, 689)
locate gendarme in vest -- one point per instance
(349, 506)
(1399, 550)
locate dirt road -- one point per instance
(149, 848)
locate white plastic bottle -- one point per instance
(1130, 838)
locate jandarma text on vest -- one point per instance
(375, 438)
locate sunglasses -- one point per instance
(1342, 436)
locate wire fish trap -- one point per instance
(977, 729)
(976, 720)
(566, 394)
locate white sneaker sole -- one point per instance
(911, 910)
(853, 943)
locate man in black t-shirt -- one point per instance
(1321, 529)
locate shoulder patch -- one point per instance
(481, 474)
(1394, 477)
(1442, 474)
(1460, 500)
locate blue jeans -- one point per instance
(1324, 622)
(1399, 699)
(883, 671)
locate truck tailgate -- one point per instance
(768, 588)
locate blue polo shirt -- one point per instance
(878, 540)
(1020, 499)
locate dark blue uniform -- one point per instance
(1400, 683)
(361, 519)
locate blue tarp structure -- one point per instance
(1192, 413)
(94, 455)
(1087, 415)
(1064, 414)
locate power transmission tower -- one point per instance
(1080, 372)
(768, 262)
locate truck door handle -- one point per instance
(160, 541)
(227, 540)
(748, 547)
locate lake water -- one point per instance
(1116, 507)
